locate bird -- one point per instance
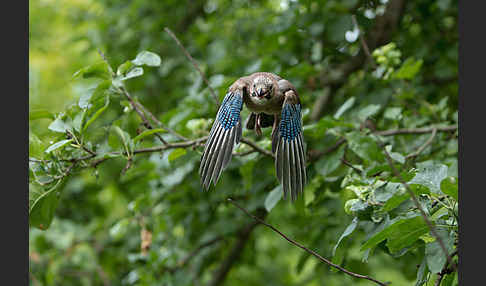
(272, 101)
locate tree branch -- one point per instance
(194, 63)
(419, 207)
(259, 220)
(421, 148)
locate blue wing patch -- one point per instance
(288, 146)
(290, 124)
(225, 133)
(229, 112)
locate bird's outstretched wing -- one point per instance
(288, 146)
(225, 133)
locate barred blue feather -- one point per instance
(225, 133)
(287, 144)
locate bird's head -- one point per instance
(262, 88)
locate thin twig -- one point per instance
(146, 123)
(416, 130)
(419, 207)
(256, 147)
(427, 143)
(135, 106)
(194, 63)
(305, 248)
(158, 122)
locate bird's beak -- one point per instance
(260, 92)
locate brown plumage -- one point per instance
(274, 102)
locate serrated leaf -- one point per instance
(40, 113)
(346, 105)
(273, 198)
(147, 58)
(98, 70)
(58, 145)
(147, 133)
(176, 153)
(449, 186)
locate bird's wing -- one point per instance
(225, 133)
(288, 146)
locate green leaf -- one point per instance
(448, 279)
(97, 113)
(407, 234)
(41, 211)
(147, 58)
(58, 145)
(411, 227)
(409, 69)
(395, 155)
(135, 72)
(433, 252)
(346, 105)
(273, 198)
(328, 164)
(40, 113)
(422, 274)
(59, 125)
(98, 70)
(449, 186)
(349, 229)
(147, 133)
(123, 137)
(364, 146)
(124, 68)
(368, 111)
(430, 177)
(393, 113)
(176, 153)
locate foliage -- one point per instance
(109, 201)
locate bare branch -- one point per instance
(417, 130)
(194, 63)
(305, 248)
(146, 123)
(427, 143)
(257, 148)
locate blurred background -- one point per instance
(103, 218)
